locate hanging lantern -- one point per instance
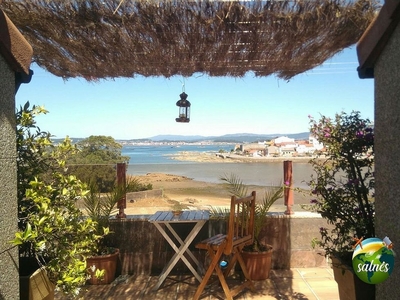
(184, 109)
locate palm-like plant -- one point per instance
(99, 208)
(236, 187)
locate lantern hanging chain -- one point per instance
(183, 85)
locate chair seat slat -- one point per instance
(213, 241)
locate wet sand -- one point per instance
(194, 194)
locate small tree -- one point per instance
(95, 162)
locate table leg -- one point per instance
(179, 252)
(188, 239)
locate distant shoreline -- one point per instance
(232, 158)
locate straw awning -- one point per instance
(97, 39)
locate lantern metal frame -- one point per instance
(184, 109)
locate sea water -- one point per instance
(161, 154)
(157, 159)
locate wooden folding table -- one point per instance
(196, 217)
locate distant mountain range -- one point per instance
(227, 138)
(230, 138)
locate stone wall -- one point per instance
(387, 163)
(143, 250)
(9, 278)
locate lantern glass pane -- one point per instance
(182, 112)
(188, 112)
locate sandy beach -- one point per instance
(198, 194)
(195, 195)
(191, 193)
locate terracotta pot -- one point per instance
(258, 264)
(350, 286)
(103, 262)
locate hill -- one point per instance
(231, 138)
(227, 138)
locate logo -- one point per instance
(373, 260)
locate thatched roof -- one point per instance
(123, 38)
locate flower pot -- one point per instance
(103, 262)
(349, 285)
(258, 264)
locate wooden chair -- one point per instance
(239, 234)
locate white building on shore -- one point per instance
(282, 146)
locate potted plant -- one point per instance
(53, 237)
(100, 207)
(177, 208)
(343, 187)
(58, 234)
(258, 255)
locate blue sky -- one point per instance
(143, 107)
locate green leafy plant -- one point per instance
(343, 184)
(34, 148)
(56, 230)
(52, 230)
(236, 187)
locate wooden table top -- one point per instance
(188, 216)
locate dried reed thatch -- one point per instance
(123, 38)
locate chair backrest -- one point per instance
(241, 222)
